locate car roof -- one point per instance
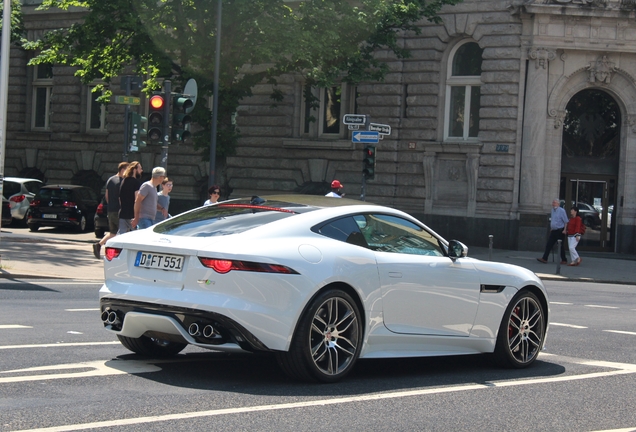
(63, 186)
(296, 200)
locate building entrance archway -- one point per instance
(589, 165)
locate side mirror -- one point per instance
(457, 249)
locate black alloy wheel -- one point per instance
(522, 331)
(327, 341)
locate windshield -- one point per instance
(228, 218)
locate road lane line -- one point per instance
(14, 326)
(82, 310)
(619, 369)
(56, 345)
(567, 325)
(602, 307)
(560, 303)
(621, 332)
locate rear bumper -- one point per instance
(135, 319)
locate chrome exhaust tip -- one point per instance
(193, 330)
(208, 331)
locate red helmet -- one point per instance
(336, 184)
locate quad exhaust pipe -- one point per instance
(195, 330)
(110, 317)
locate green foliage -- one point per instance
(17, 25)
(325, 40)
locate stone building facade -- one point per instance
(504, 106)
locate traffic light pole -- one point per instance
(165, 139)
(363, 191)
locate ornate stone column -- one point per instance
(534, 131)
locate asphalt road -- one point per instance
(61, 371)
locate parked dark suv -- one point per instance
(63, 205)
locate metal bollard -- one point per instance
(490, 247)
(560, 245)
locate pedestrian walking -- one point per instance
(558, 223)
(146, 200)
(575, 230)
(127, 195)
(336, 190)
(163, 200)
(112, 200)
(214, 192)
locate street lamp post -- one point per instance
(215, 102)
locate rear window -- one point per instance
(228, 218)
(10, 188)
(62, 194)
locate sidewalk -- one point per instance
(23, 255)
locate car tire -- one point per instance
(81, 226)
(151, 347)
(34, 227)
(521, 332)
(327, 340)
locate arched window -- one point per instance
(463, 84)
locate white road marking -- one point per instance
(82, 310)
(14, 326)
(560, 303)
(629, 429)
(602, 307)
(618, 369)
(567, 325)
(621, 332)
(56, 345)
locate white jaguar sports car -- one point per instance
(319, 283)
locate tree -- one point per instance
(260, 40)
(17, 26)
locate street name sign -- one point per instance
(354, 119)
(127, 100)
(368, 137)
(382, 129)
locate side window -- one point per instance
(393, 234)
(345, 230)
(463, 92)
(42, 90)
(33, 187)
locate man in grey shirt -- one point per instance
(558, 224)
(146, 201)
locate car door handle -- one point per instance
(395, 275)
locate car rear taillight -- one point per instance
(69, 204)
(224, 266)
(100, 209)
(35, 203)
(111, 253)
(17, 198)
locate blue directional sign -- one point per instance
(365, 137)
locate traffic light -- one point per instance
(137, 131)
(156, 119)
(368, 162)
(182, 105)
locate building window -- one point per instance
(463, 85)
(42, 90)
(322, 111)
(96, 114)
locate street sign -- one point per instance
(127, 100)
(353, 127)
(382, 129)
(365, 137)
(354, 119)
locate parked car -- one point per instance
(317, 282)
(63, 205)
(6, 212)
(100, 221)
(20, 193)
(590, 216)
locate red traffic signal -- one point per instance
(156, 102)
(156, 117)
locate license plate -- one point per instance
(49, 216)
(159, 261)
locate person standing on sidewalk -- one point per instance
(575, 230)
(127, 194)
(146, 200)
(163, 200)
(112, 199)
(336, 190)
(558, 222)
